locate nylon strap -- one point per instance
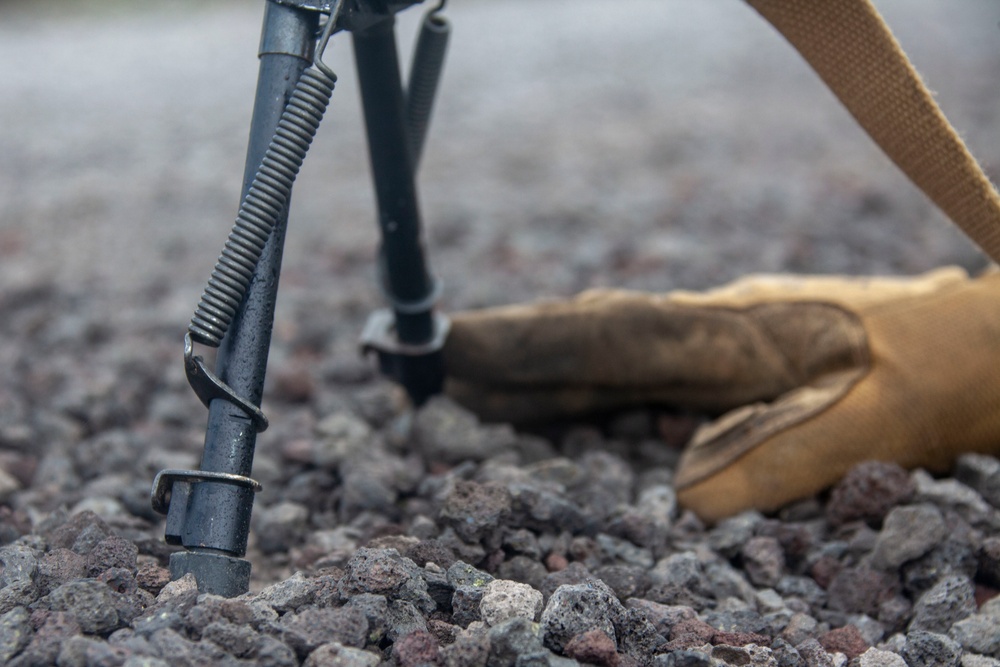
(856, 55)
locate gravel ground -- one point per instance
(665, 144)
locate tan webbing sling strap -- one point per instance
(855, 53)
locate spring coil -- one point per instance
(425, 75)
(262, 207)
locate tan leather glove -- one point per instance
(810, 374)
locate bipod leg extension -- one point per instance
(408, 337)
(208, 510)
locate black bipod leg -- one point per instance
(409, 337)
(208, 510)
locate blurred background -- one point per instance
(576, 143)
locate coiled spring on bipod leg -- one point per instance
(425, 75)
(267, 197)
(262, 207)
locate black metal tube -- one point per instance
(405, 278)
(217, 520)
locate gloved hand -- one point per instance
(811, 375)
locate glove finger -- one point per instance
(649, 348)
(538, 405)
(763, 456)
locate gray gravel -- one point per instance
(661, 145)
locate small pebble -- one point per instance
(578, 608)
(981, 473)
(978, 633)
(90, 602)
(868, 492)
(948, 602)
(846, 640)
(929, 649)
(908, 533)
(503, 600)
(874, 657)
(764, 561)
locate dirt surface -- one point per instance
(651, 145)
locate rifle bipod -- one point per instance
(208, 510)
